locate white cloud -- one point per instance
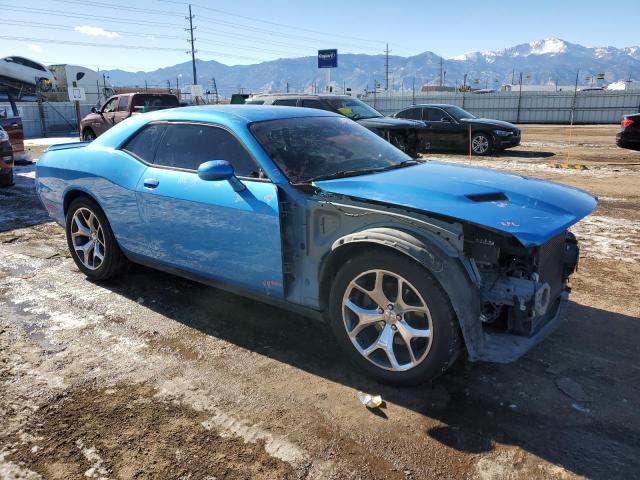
(95, 31)
(34, 48)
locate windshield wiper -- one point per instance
(364, 171)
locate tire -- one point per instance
(367, 347)
(6, 179)
(481, 144)
(88, 135)
(92, 226)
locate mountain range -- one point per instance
(547, 61)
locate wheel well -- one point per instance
(339, 257)
(72, 195)
(88, 129)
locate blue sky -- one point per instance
(250, 31)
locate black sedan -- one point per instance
(449, 127)
(629, 134)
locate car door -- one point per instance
(122, 110)
(424, 134)
(206, 228)
(107, 116)
(446, 133)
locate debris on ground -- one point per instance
(370, 401)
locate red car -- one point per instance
(11, 122)
(6, 160)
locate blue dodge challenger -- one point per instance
(411, 262)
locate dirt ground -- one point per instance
(152, 376)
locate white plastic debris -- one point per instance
(370, 401)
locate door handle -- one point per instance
(151, 183)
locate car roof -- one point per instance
(438, 105)
(246, 113)
(225, 115)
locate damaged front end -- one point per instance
(523, 289)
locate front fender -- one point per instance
(454, 273)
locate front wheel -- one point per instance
(88, 135)
(91, 242)
(481, 144)
(393, 319)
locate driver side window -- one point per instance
(110, 106)
(187, 146)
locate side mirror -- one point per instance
(94, 110)
(446, 120)
(218, 170)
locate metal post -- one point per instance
(413, 91)
(519, 99)
(193, 51)
(575, 94)
(464, 89)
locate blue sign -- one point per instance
(328, 58)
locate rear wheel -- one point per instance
(393, 319)
(91, 242)
(481, 144)
(88, 135)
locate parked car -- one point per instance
(449, 128)
(120, 107)
(410, 261)
(400, 133)
(19, 70)
(629, 134)
(6, 160)
(11, 122)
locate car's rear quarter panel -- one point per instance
(108, 176)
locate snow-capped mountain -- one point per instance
(542, 62)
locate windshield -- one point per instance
(315, 148)
(353, 108)
(458, 113)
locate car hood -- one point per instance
(533, 211)
(390, 122)
(489, 122)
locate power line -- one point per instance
(129, 47)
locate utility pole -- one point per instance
(413, 91)
(519, 100)
(441, 71)
(287, 87)
(386, 67)
(169, 85)
(193, 50)
(215, 89)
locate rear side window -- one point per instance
(287, 102)
(148, 103)
(411, 113)
(145, 143)
(188, 146)
(317, 104)
(254, 102)
(123, 104)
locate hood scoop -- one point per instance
(487, 197)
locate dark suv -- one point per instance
(403, 134)
(449, 127)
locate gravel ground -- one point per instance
(153, 376)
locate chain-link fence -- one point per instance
(531, 107)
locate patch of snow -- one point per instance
(45, 142)
(91, 454)
(609, 238)
(548, 46)
(10, 470)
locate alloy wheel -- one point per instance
(87, 237)
(387, 320)
(480, 144)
